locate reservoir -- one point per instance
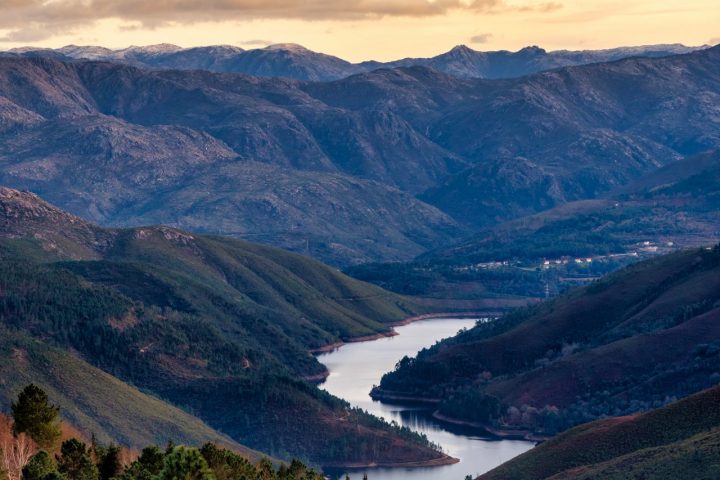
(354, 369)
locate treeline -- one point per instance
(30, 449)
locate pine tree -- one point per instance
(75, 463)
(40, 465)
(109, 464)
(34, 416)
(184, 463)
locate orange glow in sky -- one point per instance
(361, 29)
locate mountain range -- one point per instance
(295, 61)
(380, 166)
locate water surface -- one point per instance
(356, 367)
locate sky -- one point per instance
(361, 29)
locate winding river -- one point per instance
(356, 367)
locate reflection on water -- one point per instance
(356, 367)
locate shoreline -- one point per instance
(503, 434)
(382, 396)
(436, 462)
(391, 332)
(499, 433)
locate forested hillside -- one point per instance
(218, 327)
(679, 441)
(631, 341)
(675, 207)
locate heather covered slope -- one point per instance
(630, 341)
(409, 156)
(679, 441)
(218, 327)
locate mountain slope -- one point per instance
(677, 441)
(254, 155)
(671, 208)
(93, 401)
(629, 341)
(219, 327)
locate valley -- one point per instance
(179, 315)
(224, 263)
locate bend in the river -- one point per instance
(354, 369)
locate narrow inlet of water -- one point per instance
(354, 369)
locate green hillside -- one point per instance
(221, 328)
(632, 341)
(95, 402)
(679, 441)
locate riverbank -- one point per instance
(382, 396)
(504, 434)
(356, 367)
(438, 462)
(499, 433)
(391, 332)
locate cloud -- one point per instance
(20, 15)
(541, 7)
(481, 38)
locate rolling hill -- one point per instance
(631, 341)
(218, 327)
(679, 441)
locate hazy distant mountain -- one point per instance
(674, 207)
(295, 61)
(332, 168)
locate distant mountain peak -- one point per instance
(532, 50)
(158, 48)
(462, 48)
(293, 47)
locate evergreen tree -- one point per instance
(184, 463)
(34, 416)
(152, 460)
(226, 465)
(75, 462)
(54, 475)
(109, 464)
(39, 466)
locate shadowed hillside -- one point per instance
(631, 341)
(679, 441)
